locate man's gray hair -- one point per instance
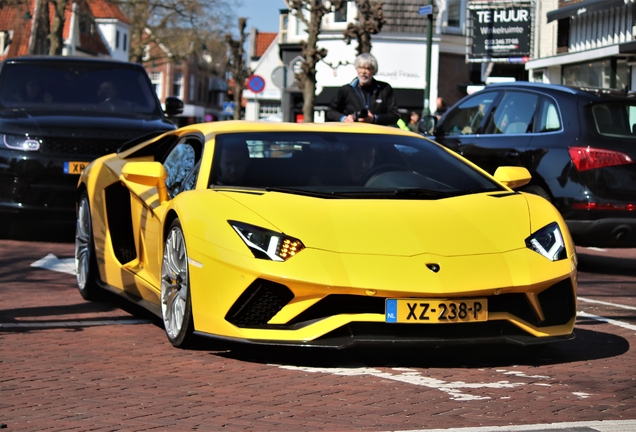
(366, 60)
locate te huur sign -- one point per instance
(500, 34)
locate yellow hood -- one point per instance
(463, 225)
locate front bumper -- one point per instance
(36, 184)
(326, 299)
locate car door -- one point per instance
(181, 163)
(504, 132)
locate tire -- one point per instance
(86, 270)
(176, 303)
(537, 190)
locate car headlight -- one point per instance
(548, 241)
(267, 244)
(20, 142)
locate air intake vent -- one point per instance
(259, 303)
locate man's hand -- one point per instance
(368, 119)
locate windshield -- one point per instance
(616, 119)
(328, 164)
(73, 86)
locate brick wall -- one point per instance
(453, 77)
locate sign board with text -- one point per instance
(499, 32)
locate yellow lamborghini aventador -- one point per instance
(323, 235)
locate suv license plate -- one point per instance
(74, 167)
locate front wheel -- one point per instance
(176, 305)
(85, 262)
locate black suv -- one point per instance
(579, 144)
(59, 113)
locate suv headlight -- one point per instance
(267, 244)
(20, 142)
(548, 241)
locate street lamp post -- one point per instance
(428, 11)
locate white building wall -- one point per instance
(264, 67)
(108, 29)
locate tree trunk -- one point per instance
(40, 42)
(57, 37)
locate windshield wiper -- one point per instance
(303, 192)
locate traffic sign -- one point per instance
(283, 77)
(228, 107)
(256, 83)
(425, 10)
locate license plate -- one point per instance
(74, 167)
(436, 311)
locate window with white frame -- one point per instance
(156, 79)
(340, 18)
(455, 16)
(177, 84)
(266, 111)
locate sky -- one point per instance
(262, 14)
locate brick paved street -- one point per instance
(72, 365)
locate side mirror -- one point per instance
(513, 177)
(152, 174)
(174, 106)
(427, 125)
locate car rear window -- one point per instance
(616, 119)
(77, 86)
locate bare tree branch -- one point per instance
(236, 65)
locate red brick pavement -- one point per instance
(129, 378)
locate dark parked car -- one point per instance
(59, 113)
(579, 144)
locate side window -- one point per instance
(514, 114)
(548, 119)
(180, 163)
(466, 118)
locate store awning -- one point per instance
(583, 8)
(624, 49)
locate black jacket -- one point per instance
(379, 100)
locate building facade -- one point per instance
(400, 48)
(194, 80)
(87, 30)
(587, 43)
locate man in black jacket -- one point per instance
(365, 99)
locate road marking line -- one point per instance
(587, 300)
(51, 262)
(411, 376)
(607, 320)
(597, 425)
(74, 323)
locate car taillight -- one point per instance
(587, 158)
(603, 206)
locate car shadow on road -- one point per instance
(38, 230)
(588, 345)
(589, 263)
